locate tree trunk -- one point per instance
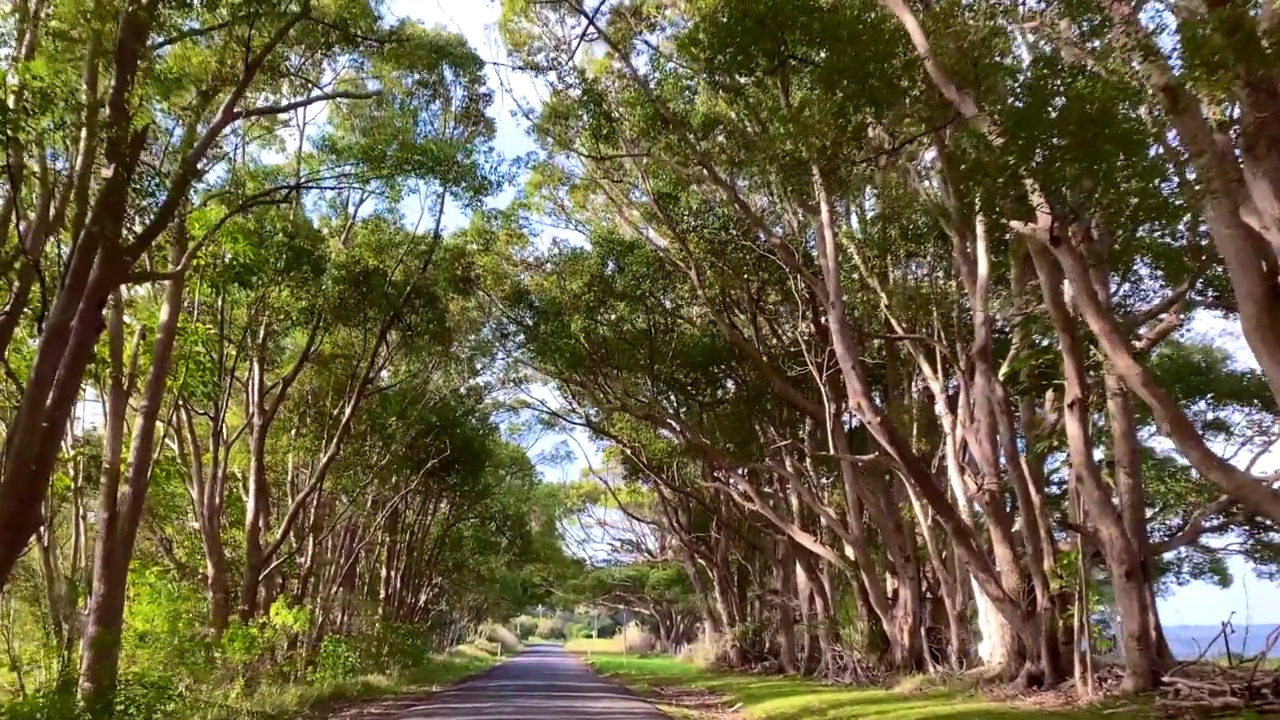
(389, 562)
(118, 531)
(100, 645)
(1133, 508)
(206, 488)
(1121, 553)
(55, 595)
(861, 400)
(257, 510)
(785, 587)
(75, 321)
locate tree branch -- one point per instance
(264, 110)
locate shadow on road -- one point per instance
(543, 683)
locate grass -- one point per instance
(587, 646)
(779, 698)
(540, 641)
(317, 700)
(279, 702)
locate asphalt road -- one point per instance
(542, 683)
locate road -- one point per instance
(542, 683)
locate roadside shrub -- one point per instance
(139, 696)
(45, 704)
(705, 651)
(549, 629)
(163, 628)
(637, 640)
(338, 659)
(586, 629)
(524, 626)
(149, 695)
(499, 635)
(394, 647)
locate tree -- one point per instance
(230, 263)
(847, 279)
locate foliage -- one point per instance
(889, 332)
(887, 320)
(285, 465)
(794, 699)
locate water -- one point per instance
(1188, 641)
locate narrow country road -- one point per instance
(543, 683)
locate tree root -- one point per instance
(1216, 690)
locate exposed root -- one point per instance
(1195, 689)
(697, 703)
(1209, 690)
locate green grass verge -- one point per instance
(541, 641)
(584, 646)
(317, 700)
(271, 702)
(781, 698)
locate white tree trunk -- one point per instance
(997, 635)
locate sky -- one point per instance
(1255, 601)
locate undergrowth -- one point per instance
(393, 661)
(789, 698)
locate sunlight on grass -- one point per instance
(678, 713)
(295, 701)
(595, 645)
(778, 698)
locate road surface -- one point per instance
(542, 683)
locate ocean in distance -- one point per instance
(1188, 641)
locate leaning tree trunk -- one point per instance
(1121, 553)
(118, 527)
(99, 652)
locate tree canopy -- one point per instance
(911, 336)
(904, 305)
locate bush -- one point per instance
(501, 636)
(706, 651)
(637, 640)
(46, 704)
(163, 628)
(608, 628)
(338, 659)
(524, 626)
(549, 629)
(257, 671)
(139, 696)
(585, 629)
(395, 647)
(149, 695)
